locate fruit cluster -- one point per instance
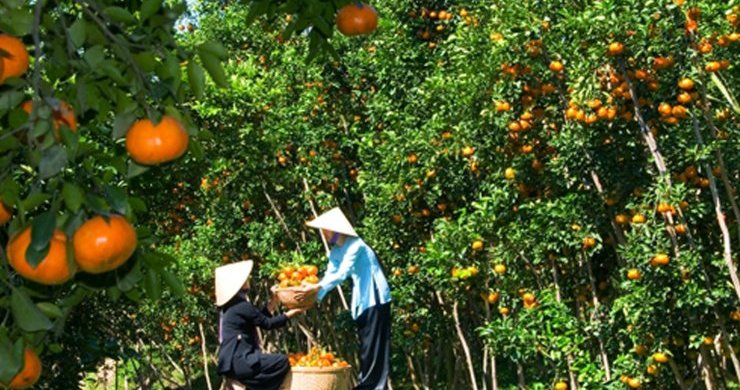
(292, 275)
(316, 357)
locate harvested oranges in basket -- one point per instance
(316, 357)
(294, 275)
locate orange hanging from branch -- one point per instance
(357, 19)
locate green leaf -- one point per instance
(117, 198)
(50, 310)
(153, 284)
(78, 32)
(196, 78)
(174, 283)
(120, 15)
(149, 8)
(196, 149)
(123, 122)
(42, 230)
(131, 279)
(52, 162)
(214, 68)
(147, 61)
(157, 260)
(26, 315)
(94, 56)
(73, 196)
(135, 169)
(34, 200)
(215, 48)
(11, 354)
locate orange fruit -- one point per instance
(615, 48)
(681, 229)
(29, 374)
(561, 386)
(664, 208)
(151, 144)
(413, 269)
(634, 383)
(499, 268)
(477, 245)
(686, 84)
(312, 270)
(504, 311)
(53, 269)
(660, 357)
(5, 213)
(712, 66)
(510, 173)
(529, 298)
(467, 151)
(640, 350)
(665, 109)
(101, 246)
(735, 315)
(357, 19)
(589, 242)
(16, 63)
(621, 219)
(556, 66)
(660, 260)
(503, 106)
(638, 219)
(492, 297)
(633, 274)
(412, 159)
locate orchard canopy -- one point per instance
(551, 186)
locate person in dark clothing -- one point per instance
(240, 356)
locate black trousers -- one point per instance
(374, 328)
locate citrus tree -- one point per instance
(550, 185)
(91, 103)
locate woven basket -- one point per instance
(286, 296)
(318, 378)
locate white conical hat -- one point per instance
(335, 221)
(230, 278)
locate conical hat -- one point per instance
(335, 221)
(230, 278)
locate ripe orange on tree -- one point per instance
(556, 66)
(5, 213)
(660, 357)
(29, 374)
(561, 386)
(615, 48)
(102, 245)
(638, 219)
(499, 269)
(686, 84)
(477, 245)
(633, 274)
(54, 268)
(589, 242)
(357, 19)
(660, 259)
(151, 144)
(16, 63)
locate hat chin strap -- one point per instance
(334, 238)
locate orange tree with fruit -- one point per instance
(551, 186)
(92, 100)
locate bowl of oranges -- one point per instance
(317, 370)
(290, 278)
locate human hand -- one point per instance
(306, 291)
(294, 312)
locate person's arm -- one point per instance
(259, 318)
(336, 275)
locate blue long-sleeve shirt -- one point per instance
(356, 259)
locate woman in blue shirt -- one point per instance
(351, 257)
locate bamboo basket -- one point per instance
(286, 295)
(318, 378)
